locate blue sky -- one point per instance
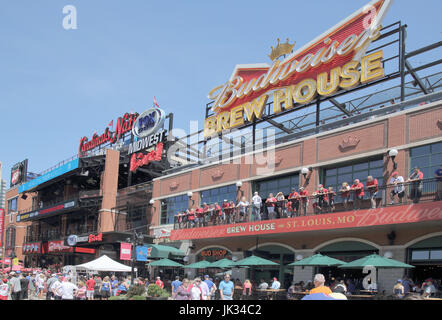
(59, 85)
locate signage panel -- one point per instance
(126, 251)
(38, 213)
(71, 165)
(141, 253)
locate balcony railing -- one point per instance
(57, 234)
(405, 193)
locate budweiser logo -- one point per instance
(139, 159)
(349, 142)
(95, 238)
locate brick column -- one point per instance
(303, 273)
(387, 277)
(109, 190)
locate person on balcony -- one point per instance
(218, 214)
(243, 207)
(212, 214)
(256, 208)
(191, 218)
(415, 179)
(199, 217)
(397, 182)
(291, 213)
(331, 199)
(294, 200)
(321, 199)
(345, 194)
(226, 212)
(373, 188)
(206, 215)
(358, 189)
(303, 195)
(280, 205)
(438, 177)
(232, 211)
(270, 204)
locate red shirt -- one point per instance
(374, 182)
(359, 192)
(304, 193)
(271, 201)
(90, 285)
(323, 192)
(294, 195)
(199, 212)
(159, 283)
(191, 215)
(218, 208)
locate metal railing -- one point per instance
(426, 190)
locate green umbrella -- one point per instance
(222, 264)
(376, 261)
(199, 265)
(255, 261)
(318, 260)
(165, 263)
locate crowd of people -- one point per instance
(57, 286)
(323, 200)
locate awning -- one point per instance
(161, 251)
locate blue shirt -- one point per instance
(114, 283)
(226, 287)
(209, 284)
(176, 284)
(438, 173)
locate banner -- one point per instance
(126, 251)
(351, 219)
(141, 253)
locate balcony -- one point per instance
(320, 214)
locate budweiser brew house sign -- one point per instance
(333, 61)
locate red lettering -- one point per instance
(139, 159)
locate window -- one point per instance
(10, 238)
(428, 158)
(334, 177)
(283, 184)
(171, 206)
(12, 205)
(219, 194)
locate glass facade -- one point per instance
(282, 184)
(428, 158)
(334, 177)
(219, 194)
(171, 206)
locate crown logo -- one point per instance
(173, 185)
(349, 142)
(217, 174)
(281, 49)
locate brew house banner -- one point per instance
(333, 61)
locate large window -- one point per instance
(428, 158)
(282, 184)
(219, 194)
(334, 177)
(12, 205)
(171, 206)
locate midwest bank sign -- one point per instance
(353, 219)
(331, 62)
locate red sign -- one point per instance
(126, 251)
(2, 219)
(95, 238)
(58, 246)
(124, 124)
(139, 159)
(353, 219)
(84, 250)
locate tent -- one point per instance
(104, 263)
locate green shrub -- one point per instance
(155, 291)
(138, 298)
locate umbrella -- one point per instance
(222, 264)
(199, 265)
(165, 263)
(318, 260)
(375, 261)
(255, 261)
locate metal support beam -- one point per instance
(340, 107)
(416, 77)
(279, 125)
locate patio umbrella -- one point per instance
(222, 264)
(255, 261)
(376, 261)
(199, 265)
(318, 260)
(165, 263)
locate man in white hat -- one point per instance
(15, 286)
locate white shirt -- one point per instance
(263, 285)
(4, 289)
(257, 200)
(196, 293)
(67, 289)
(399, 186)
(205, 288)
(56, 287)
(276, 284)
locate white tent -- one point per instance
(104, 263)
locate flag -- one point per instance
(155, 103)
(111, 124)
